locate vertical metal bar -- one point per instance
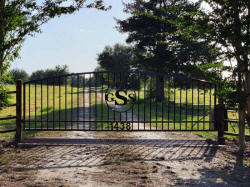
(126, 80)
(108, 107)
(120, 84)
(66, 94)
(18, 134)
(78, 85)
(144, 104)
(126, 111)
(198, 113)
(210, 104)
(29, 106)
(215, 103)
(90, 124)
(47, 103)
(180, 105)
(132, 79)
(24, 105)
(115, 87)
(186, 105)
(83, 104)
(138, 103)
(41, 104)
(174, 101)
(53, 104)
(204, 109)
(102, 80)
(96, 77)
(162, 104)
(59, 79)
(150, 104)
(35, 105)
(156, 105)
(169, 92)
(72, 100)
(192, 104)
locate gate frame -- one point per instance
(18, 135)
(219, 116)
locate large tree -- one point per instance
(227, 26)
(153, 28)
(22, 18)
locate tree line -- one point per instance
(20, 74)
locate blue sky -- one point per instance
(74, 40)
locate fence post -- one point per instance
(220, 122)
(18, 111)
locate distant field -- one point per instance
(181, 110)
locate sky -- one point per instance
(74, 40)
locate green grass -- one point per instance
(42, 111)
(185, 103)
(180, 110)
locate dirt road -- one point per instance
(123, 159)
(130, 159)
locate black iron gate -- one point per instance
(119, 101)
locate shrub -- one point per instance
(19, 74)
(57, 71)
(3, 96)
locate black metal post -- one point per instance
(220, 122)
(18, 135)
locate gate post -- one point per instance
(18, 111)
(219, 122)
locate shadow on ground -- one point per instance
(182, 162)
(60, 153)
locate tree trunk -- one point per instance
(248, 97)
(2, 6)
(160, 88)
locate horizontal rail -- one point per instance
(96, 121)
(233, 134)
(7, 118)
(169, 75)
(12, 130)
(134, 130)
(11, 92)
(11, 105)
(233, 120)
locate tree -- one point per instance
(227, 26)
(153, 28)
(22, 18)
(54, 72)
(230, 28)
(19, 74)
(116, 58)
(6, 77)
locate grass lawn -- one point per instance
(42, 112)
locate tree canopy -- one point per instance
(22, 18)
(116, 58)
(153, 29)
(19, 74)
